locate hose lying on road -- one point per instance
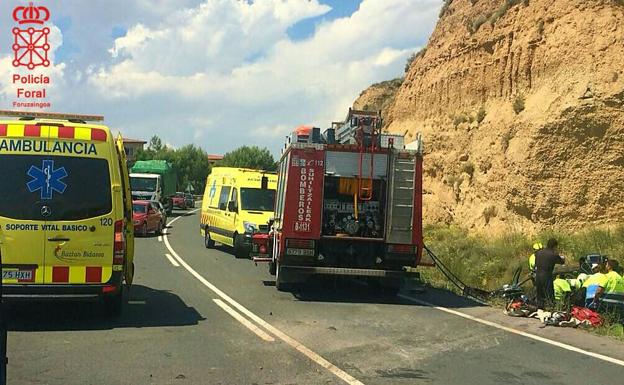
(466, 290)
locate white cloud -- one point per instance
(222, 73)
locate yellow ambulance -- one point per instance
(65, 209)
(237, 202)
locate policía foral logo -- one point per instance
(31, 45)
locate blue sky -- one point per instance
(339, 8)
(221, 73)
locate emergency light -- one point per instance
(52, 115)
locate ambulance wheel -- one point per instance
(240, 250)
(144, 230)
(208, 243)
(113, 304)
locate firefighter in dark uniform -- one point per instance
(545, 261)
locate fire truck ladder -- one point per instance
(365, 183)
(401, 210)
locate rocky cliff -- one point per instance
(521, 103)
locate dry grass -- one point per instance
(489, 262)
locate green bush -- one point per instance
(468, 168)
(489, 213)
(502, 10)
(518, 104)
(459, 119)
(478, 22)
(540, 26)
(489, 262)
(481, 114)
(412, 57)
(444, 8)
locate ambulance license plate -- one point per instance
(24, 275)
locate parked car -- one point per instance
(189, 199)
(179, 200)
(159, 206)
(146, 218)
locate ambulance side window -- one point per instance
(223, 197)
(234, 197)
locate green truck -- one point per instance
(154, 180)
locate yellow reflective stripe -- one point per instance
(77, 274)
(15, 130)
(49, 131)
(82, 133)
(107, 272)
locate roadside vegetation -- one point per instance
(249, 157)
(489, 262)
(518, 104)
(190, 161)
(193, 167)
(492, 17)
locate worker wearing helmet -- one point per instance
(536, 246)
(545, 261)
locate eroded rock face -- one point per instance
(522, 110)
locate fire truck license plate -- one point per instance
(17, 274)
(301, 252)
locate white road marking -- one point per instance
(173, 261)
(518, 332)
(344, 376)
(160, 238)
(249, 325)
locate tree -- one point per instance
(190, 161)
(249, 157)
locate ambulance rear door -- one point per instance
(82, 195)
(22, 214)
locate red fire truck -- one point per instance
(349, 203)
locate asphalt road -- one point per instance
(214, 319)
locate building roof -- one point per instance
(214, 157)
(139, 141)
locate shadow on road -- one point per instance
(346, 290)
(146, 308)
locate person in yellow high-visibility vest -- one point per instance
(536, 246)
(614, 279)
(562, 289)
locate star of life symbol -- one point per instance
(47, 179)
(30, 45)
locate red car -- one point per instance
(179, 201)
(146, 218)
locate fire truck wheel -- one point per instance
(208, 243)
(391, 287)
(240, 251)
(280, 285)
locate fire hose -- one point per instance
(467, 291)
